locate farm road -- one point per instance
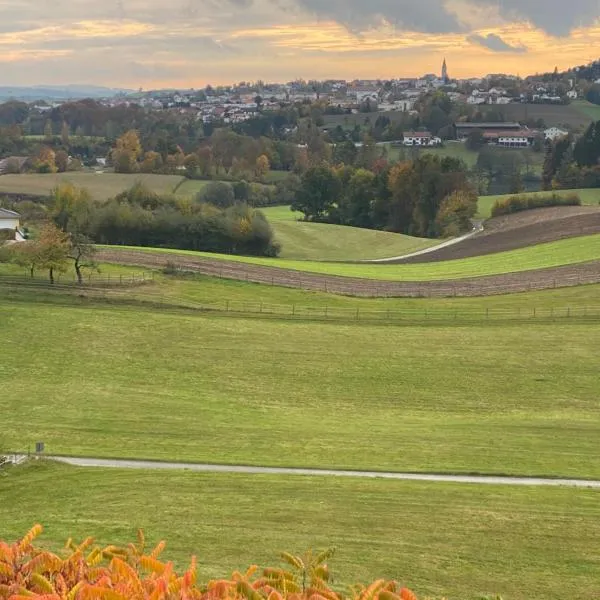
(208, 468)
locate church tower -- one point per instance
(445, 77)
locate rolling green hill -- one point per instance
(542, 256)
(324, 242)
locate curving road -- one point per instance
(240, 469)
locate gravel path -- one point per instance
(207, 468)
(477, 228)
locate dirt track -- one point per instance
(566, 276)
(518, 231)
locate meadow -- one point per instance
(132, 382)
(101, 186)
(438, 539)
(324, 242)
(541, 256)
(590, 196)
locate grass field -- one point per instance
(168, 385)
(190, 187)
(100, 185)
(440, 540)
(588, 196)
(321, 241)
(542, 256)
(577, 115)
(592, 111)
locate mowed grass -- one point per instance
(590, 196)
(441, 540)
(190, 187)
(542, 256)
(592, 111)
(101, 186)
(450, 149)
(324, 242)
(109, 381)
(223, 293)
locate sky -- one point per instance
(190, 43)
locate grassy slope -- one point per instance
(324, 242)
(592, 111)
(588, 196)
(439, 539)
(101, 186)
(541, 256)
(108, 381)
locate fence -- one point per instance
(90, 279)
(126, 297)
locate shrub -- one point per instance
(88, 572)
(520, 203)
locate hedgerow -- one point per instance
(133, 572)
(520, 203)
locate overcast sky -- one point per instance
(189, 43)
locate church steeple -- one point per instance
(445, 77)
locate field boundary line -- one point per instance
(258, 470)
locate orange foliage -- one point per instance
(89, 572)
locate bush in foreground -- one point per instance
(89, 572)
(515, 204)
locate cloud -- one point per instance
(556, 17)
(494, 42)
(429, 16)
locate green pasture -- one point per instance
(190, 187)
(324, 242)
(589, 196)
(101, 186)
(542, 256)
(592, 111)
(121, 381)
(441, 540)
(321, 241)
(451, 149)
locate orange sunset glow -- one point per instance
(190, 43)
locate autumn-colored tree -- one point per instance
(45, 161)
(205, 161)
(152, 162)
(262, 166)
(70, 207)
(126, 152)
(192, 165)
(82, 254)
(62, 161)
(52, 249)
(65, 133)
(456, 212)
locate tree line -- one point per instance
(429, 196)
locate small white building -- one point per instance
(421, 138)
(553, 133)
(573, 94)
(10, 220)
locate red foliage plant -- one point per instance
(89, 572)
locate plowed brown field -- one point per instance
(518, 231)
(566, 276)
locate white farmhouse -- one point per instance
(421, 138)
(10, 220)
(553, 133)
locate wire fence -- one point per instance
(88, 280)
(127, 296)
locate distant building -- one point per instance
(553, 133)
(10, 221)
(421, 138)
(464, 129)
(445, 77)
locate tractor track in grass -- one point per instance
(524, 281)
